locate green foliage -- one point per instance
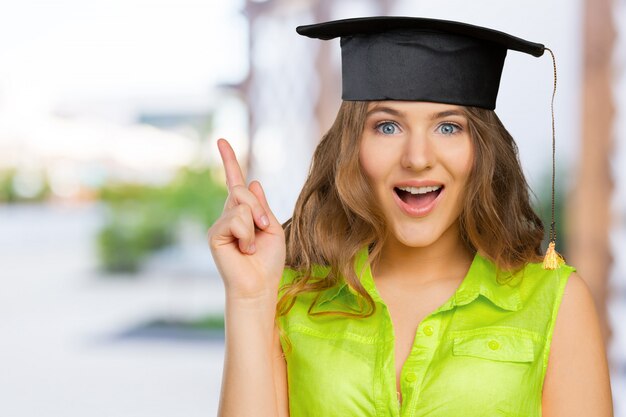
(143, 219)
(8, 193)
(132, 232)
(197, 195)
(210, 322)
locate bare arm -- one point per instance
(248, 387)
(248, 246)
(577, 379)
(280, 377)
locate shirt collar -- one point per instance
(480, 280)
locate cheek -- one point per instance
(461, 161)
(469, 162)
(469, 156)
(462, 170)
(369, 165)
(466, 167)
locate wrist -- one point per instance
(263, 301)
(255, 317)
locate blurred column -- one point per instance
(589, 213)
(617, 304)
(280, 92)
(293, 89)
(328, 63)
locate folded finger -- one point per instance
(243, 230)
(241, 195)
(256, 189)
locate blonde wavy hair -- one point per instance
(336, 213)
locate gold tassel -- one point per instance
(552, 260)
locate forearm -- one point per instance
(248, 387)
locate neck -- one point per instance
(447, 258)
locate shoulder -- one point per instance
(533, 276)
(577, 314)
(577, 298)
(577, 319)
(577, 378)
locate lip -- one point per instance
(417, 183)
(421, 211)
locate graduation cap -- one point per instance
(421, 59)
(412, 58)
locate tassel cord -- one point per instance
(553, 259)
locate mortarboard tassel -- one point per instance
(552, 259)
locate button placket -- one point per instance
(410, 377)
(390, 379)
(420, 355)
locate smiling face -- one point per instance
(417, 157)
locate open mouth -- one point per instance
(418, 197)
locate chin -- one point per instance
(417, 237)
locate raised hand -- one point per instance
(247, 241)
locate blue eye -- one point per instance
(448, 128)
(387, 128)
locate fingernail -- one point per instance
(265, 221)
(251, 248)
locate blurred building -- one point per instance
(75, 151)
(293, 90)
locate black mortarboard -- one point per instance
(419, 59)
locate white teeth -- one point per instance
(420, 190)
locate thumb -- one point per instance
(256, 189)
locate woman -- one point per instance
(414, 284)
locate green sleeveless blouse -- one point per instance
(483, 352)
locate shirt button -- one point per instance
(494, 345)
(410, 377)
(428, 330)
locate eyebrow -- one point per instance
(447, 113)
(388, 110)
(398, 113)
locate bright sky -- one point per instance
(54, 51)
(101, 61)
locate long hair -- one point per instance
(337, 214)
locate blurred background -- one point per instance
(110, 176)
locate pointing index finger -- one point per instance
(231, 166)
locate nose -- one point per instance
(418, 153)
